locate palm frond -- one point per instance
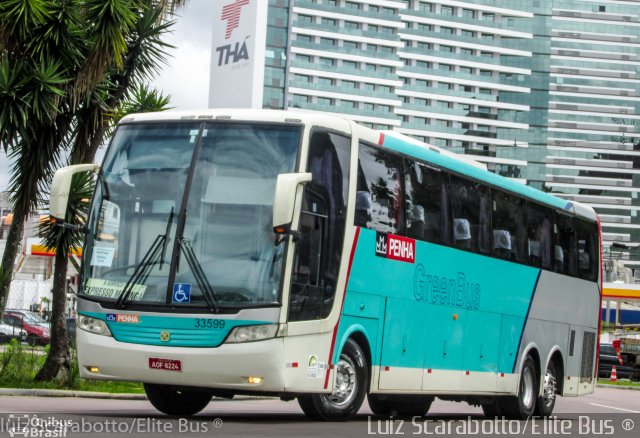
(19, 18)
(143, 99)
(112, 21)
(14, 107)
(63, 240)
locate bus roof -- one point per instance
(258, 115)
(452, 161)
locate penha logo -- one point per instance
(231, 13)
(395, 247)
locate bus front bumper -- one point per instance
(251, 366)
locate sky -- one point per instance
(186, 75)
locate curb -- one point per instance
(631, 388)
(67, 393)
(17, 392)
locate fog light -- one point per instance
(254, 380)
(94, 370)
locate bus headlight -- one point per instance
(249, 333)
(93, 325)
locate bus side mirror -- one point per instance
(288, 190)
(60, 189)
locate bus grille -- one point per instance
(588, 350)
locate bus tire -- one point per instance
(493, 409)
(523, 405)
(408, 405)
(350, 387)
(177, 402)
(546, 402)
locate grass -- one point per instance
(19, 365)
(620, 382)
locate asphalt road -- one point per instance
(607, 412)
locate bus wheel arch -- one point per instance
(359, 335)
(351, 373)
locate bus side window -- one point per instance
(508, 227)
(427, 203)
(470, 205)
(380, 197)
(539, 235)
(587, 235)
(564, 245)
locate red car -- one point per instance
(37, 328)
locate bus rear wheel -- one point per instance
(408, 405)
(546, 402)
(178, 402)
(523, 405)
(350, 387)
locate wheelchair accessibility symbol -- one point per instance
(181, 293)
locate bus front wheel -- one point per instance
(349, 389)
(182, 403)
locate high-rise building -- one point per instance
(544, 91)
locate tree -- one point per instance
(60, 80)
(58, 362)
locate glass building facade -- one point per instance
(544, 91)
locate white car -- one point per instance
(8, 332)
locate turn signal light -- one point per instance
(252, 380)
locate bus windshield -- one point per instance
(183, 215)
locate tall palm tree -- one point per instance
(59, 78)
(58, 362)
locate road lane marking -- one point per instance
(612, 407)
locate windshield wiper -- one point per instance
(141, 273)
(200, 276)
(105, 186)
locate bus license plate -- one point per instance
(157, 363)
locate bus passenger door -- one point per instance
(317, 260)
(307, 284)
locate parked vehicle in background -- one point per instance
(37, 329)
(608, 358)
(9, 332)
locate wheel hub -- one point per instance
(345, 386)
(549, 390)
(528, 388)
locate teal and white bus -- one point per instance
(304, 256)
